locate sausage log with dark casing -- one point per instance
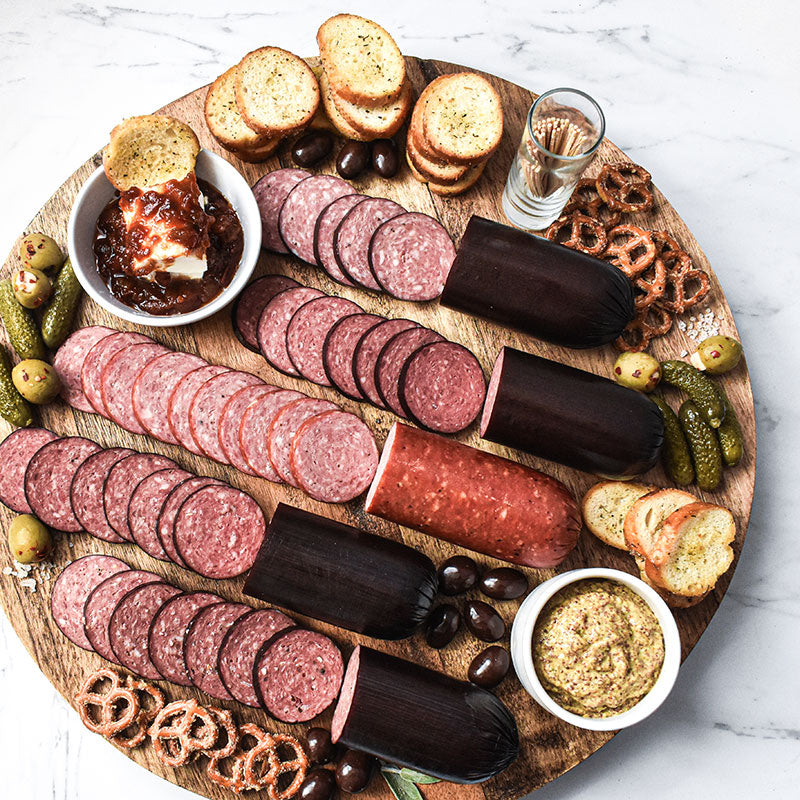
(514, 513)
(342, 575)
(412, 716)
(537, 286)
(570, 416)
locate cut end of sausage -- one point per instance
(491, 392)
(342, 709)
(386, 454)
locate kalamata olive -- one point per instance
(504, 583)
(354, 771)
(489, 667)
(311, 148)
(319, 746)
(457, 575)
(483, 621)
(320, 784)
(385, 160)
(442, 626)
(353, 159)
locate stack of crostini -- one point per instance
(270, 94)
(681, 545)
(455, 127)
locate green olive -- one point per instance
(36, 381)
(40, 252)
(29, 540)
(717, 354)
(638, 371)
(32, 287)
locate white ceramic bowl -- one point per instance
(522, 649)
(96, 193)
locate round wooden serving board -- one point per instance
(548, 747)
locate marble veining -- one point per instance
(705, 95)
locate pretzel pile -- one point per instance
(664, 279)
(239, 757)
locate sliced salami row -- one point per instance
(370, 242)
(228, 650)
(118, 495)
(221, 413)
(395, 364)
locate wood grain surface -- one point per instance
(548, 747)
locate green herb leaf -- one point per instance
(417, 777)
(401, 788)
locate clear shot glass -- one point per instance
(563, 130)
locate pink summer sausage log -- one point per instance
(68, 362)
(339, 348)
(180, 401)
(231, 419)
(16, 452)
(474, 499)
(297, 675)
(251, 302)
(270, 193)
(325, 229)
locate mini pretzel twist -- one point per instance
(174, 741)
(117, 706)
(151, 701)
(586, 199)
(630, 248)
(649, 322)
(585, 234)
(652, 284)
(625, 187)
(678, 298)
(298, 764)
(228, 771)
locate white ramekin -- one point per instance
(522, 648)
(97, 192)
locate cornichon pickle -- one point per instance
(57, 318)
(701, 389)
(675, 454)
(20, 325)
(13, 406)
(730, 437)
(703, 444)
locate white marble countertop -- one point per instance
(705, 95)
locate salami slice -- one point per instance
(68, 362)
(48, 479)
(145, 506)
(206, 409)
(239, 648)
(86, 492)
(297, 675)
(302, 207)
(103, 600)
(117, 379)
(181, 400)
(169, 511)
(274, 321)
(168, 633)
(442, 387)
(270, 193)
(327, 223)
(73, 587)
(366, 355)
(284, 426)
(410, 257)
(250, 303)
(16, 452)
(121, 482)
(231, 419)
(353, 234)
(254, 427)
(392, 359)
(339, 348)
(334, 457)
(202, 643)
(218, 531)
(96, 360)
(153, 387)
(130, 623)
(308, 327)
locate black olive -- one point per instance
(442, 626)
(320, 784)
(483, 621)
(311, 148)
(457, 575)
(385, 160)
(489, 667)
(320, 748)
(504, 583)
(353, 159)
(354, 771)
